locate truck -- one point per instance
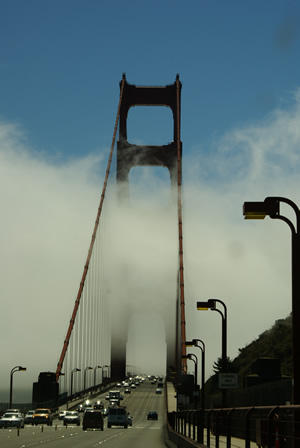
(117, 416)
(114, 397)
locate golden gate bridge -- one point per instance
(97, 331)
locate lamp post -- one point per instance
(189, 356)
(271, 207)
(13, 370)
(72, 372)
(84, 377)
(107, 367)
(211, 304)
(95, 368)
(194, 343)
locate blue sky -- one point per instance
(61, 63)
(60, 67)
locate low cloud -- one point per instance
(48, 208)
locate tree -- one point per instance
(218, 365)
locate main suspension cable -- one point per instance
(86, 267)
(180, 232)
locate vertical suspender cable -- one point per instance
(181, 277)
(86, 267)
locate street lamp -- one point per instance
(84, 377)
(270, 207)
(107, 370)
(13, 370)
(211, 304)
(95, 368)
(72, 372)
(189, 356)
(194, 343)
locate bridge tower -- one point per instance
(129, 156)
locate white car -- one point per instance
(72, 418)
(28, 417)
(61, 415)
(12, 419)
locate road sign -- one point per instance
(228, 380)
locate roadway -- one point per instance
(143, 432)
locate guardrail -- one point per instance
(79, 397)
(268, 427)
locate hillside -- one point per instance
(273, 343)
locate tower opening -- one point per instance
(150, 125)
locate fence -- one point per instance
(268, 427)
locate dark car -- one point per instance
(99, 405)
(72, 418)
(129, 419)
(117, 417)
(152, 415)
(92, 419)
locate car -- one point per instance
(105, 412)
(129, 419)
(28, 417)
(113, 403)
(72, 418)
(158, 391)
(92, 419)
(99, 405)
(61, 415)
(127, 391)
(12, 419)
(152, 415)
(42, 415)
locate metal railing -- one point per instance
(268, 427)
